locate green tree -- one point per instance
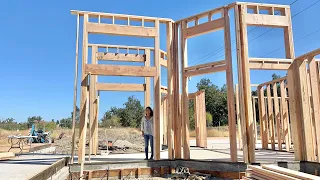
(191, 115)
(50, 126)
(132, 113)
(114, 121)
(66, 122)
(33, 120)
(209, 119)
(77, 114)
(216, 101)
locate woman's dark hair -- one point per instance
(151, 112)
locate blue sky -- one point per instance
(37, 49)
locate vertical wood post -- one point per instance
(315, 88)
(185, 99)
(157, 94)
(83, 98)
(176, 95)
(271, 118)
(196, 119)
(254, 120)
(92, 120)
(294, 113)
(75, 91)
(202, 100)
(277, 114)
(230, 90)
(170, 106)
(238, 116)
(147, 80)
(245, 89)
(262, 118)
(285, 116)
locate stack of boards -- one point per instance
(273, 172)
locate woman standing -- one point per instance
(147, 131)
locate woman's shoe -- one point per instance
(145, 158)
(151, 158)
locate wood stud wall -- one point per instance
(177, 117)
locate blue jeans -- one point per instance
(148, 137)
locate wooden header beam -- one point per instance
(116, 70)
(269, 66)
(266, 20)
(102, 28)
(120, 57)
(120, 87)
(204, 28)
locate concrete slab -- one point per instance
(26, 165)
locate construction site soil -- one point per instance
(122, 140)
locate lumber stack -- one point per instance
(275, 172)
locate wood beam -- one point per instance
(230, 90)
(170, 111)
(308, 55)
(120, 57)
(245, 91)
(204, 28)
(271, 117)
(262, 118)
(269, 66)
(271, 60)
(305, 111)
(285, 116)
(83, 98)
(176, 93)
(240, 80)
(92, 98)
(163, 62)
(117, 70)
(238, 116)
(205, 71)
(273, 81)
(277, 114)
(266, 20)
(75, 91)
(185, 101)
(315, 88)
(157, 93)
(120, 87)
(115, 29)
(294, 106)
(147, 92)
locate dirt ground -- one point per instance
(125, 140)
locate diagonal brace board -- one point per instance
(116, 70)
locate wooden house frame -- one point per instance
(177, 105)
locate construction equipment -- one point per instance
(39, 136)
